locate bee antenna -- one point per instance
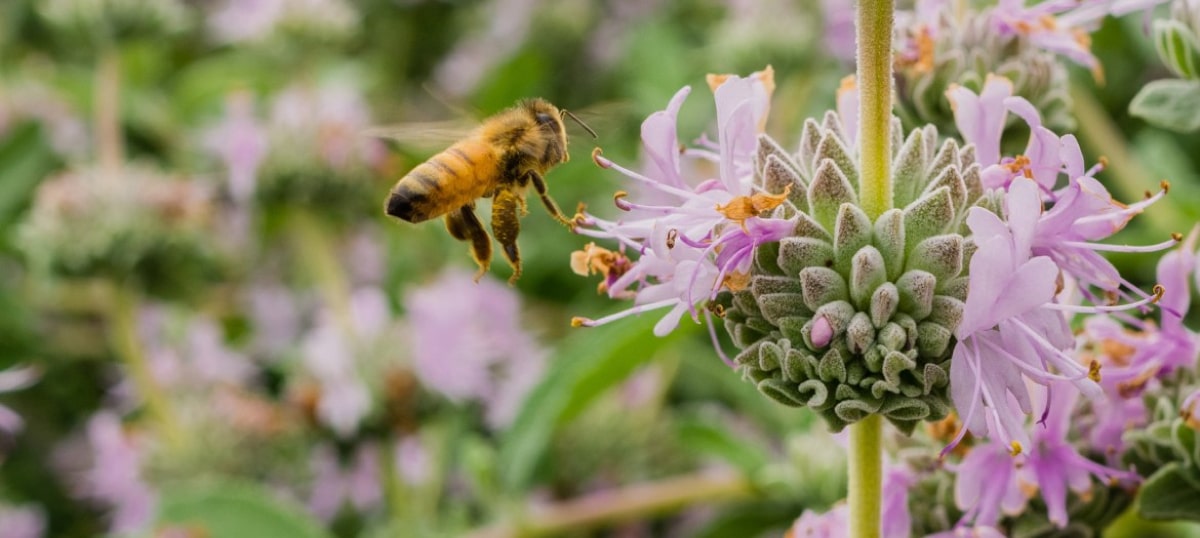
(567, 113)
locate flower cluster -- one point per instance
(942, 43)
(961, 299)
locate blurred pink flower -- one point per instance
(469, 343)
(337, 483)
(23, 521)
(13, 379)
(330, 357)
(328, 119)
(241, 142)
(832, 524)
(115, 475)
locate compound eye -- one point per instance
(544, 118)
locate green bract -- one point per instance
(889, 292)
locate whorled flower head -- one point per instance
(99, 20)
(316, 156)
(942, 45)
(952, 294)
(831, 310)
(135, 225)
(248, 21)
(849, 316)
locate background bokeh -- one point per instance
(208, 318)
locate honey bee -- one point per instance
(499, 160)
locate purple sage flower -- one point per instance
(469, 344)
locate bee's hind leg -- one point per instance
(539, 184)
(506, 208)
(465, 226)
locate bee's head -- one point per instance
(549, 119)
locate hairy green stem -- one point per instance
(127, 344)
(625, 504)
(315, 247)
(874, 24)
(106, 108)
(866, 477)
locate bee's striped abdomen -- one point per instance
(446, 182)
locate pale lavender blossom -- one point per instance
(14, 379)
(1055, 466)
(331, 353)
(32, 101)
(22, 521)
(1083, 211)
(240, 141)
(969, 532)
(693, 239)
(1010, 330)
(839, 28)
(469, 344)
(412, 460)
(336, 483)
(243, 21)
(328, 119)
(277, 318)
(896, 519)
(115, 476)
(345, 400)
(986, 486)
(981, 118)
(233, 21)
(508, 22)
(1135, 353)
(832, 524)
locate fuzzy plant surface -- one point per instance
(852, 317)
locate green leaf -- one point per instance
(1177, 47)
(235, 510)
(588, 363)
(1170, 104)
(24, 161)
(704, 435)
(1168, 495)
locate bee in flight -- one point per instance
(499, 160)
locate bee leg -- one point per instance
(540, 185)
(506, 207)
(465, 226)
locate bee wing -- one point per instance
(422, 136)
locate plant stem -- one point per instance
(874, 24)
(866, 477)
(315, 248)
(124, 335)
(110, 144)
(624, 504)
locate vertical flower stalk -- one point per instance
(875, 19)
(315, 247)
(124, 334)
(107, 110)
